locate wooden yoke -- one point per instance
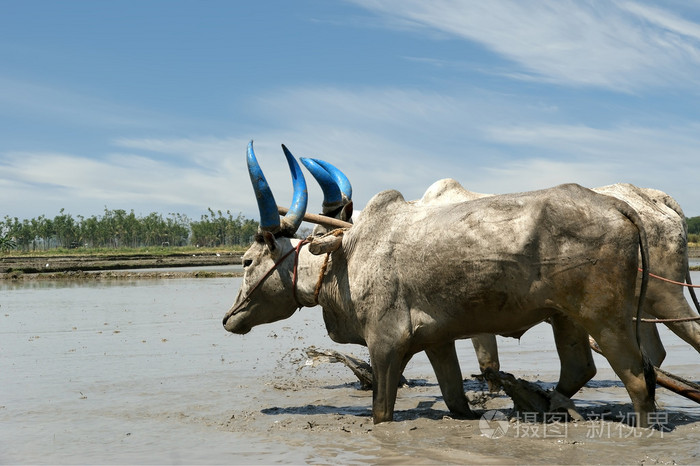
(327, 243)
(319, 219)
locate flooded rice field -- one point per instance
(142, 371)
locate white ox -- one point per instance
(666, 231)
(408, 278)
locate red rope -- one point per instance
(295, 274)
(671, 281)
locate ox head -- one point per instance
(266, 293)
(337, 191)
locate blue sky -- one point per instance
(149, 105)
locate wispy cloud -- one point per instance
(663, 158)
(382, 138)
(671, 145)
(44, 182)
(602, 44)
(27, 99)
(406, 139)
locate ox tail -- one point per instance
(647, 365)
(691, 290)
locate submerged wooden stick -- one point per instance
(320, 219)
(676, 384)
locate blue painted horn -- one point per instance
(269, 217)
(332, 197)
(339, 177)
(291, 221)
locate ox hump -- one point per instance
(447, 191)
(383, 201)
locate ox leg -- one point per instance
(575, 357)
(651, 343)
(387, 364)
(446, 366)
(674, 305)
(620, 348)
(688, 331)
(486, 350)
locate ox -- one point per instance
(408, 278)
(666, 230)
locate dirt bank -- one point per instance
(112, 266)
(694, 252)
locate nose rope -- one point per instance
(295, 276)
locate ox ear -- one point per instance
(346, 213)
(270, 241)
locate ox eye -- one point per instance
(247, 262)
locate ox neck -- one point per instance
(308, 276)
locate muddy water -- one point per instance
(143, 372)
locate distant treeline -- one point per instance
(694, 228)
(118, 229)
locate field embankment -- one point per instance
(86, 265)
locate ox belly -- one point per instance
(497, 313)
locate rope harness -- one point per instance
(680, 319)
(687, 285)
(295, 276)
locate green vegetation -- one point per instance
(6, 244)
(130, 252)
(694, 231)
(693, 225)
(118, 230)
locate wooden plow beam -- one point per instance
(676, 384)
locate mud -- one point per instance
(141, 371)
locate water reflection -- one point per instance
(211, 268)
(42, 284)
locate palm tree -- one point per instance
(7, 243)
